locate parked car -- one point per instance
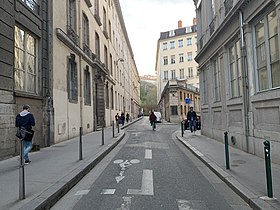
(158, 115)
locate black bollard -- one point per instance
(21, 173)
(103, 135)
(182, 128)
(268, 168)
(226, 149)
(80, 145)
(113, 128)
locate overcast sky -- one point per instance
(145, 19)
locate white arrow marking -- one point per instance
(119, 178)
(147, 187)
(126, 204)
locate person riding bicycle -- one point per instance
(153, 119)
(192, 117)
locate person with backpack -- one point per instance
(191, 118)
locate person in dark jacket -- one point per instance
(153, 119)
(192, 117)
(26, 120)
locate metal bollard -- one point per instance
(102, 135)
(226, 149)
(21, 173)
(268, 168)
(113, 128)
(182, 128)
(80, 145)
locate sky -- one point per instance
(145, 19)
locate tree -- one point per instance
(148, 96)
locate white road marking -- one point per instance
(133, 161)
(147, 187)
(118, 161)
(127, 203)
(148, 154)
(191, 205)
(124, 164)
(82, 192)
(108, 191)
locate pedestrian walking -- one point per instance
(127, 117)
(191, 118)
(25, 120)
(117, 118)
(122, 118)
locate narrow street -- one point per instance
(151, 170)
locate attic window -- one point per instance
(171, 33)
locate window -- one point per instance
(181, 58)
(172, 44)
(33, 5)
(105, 56)
(189, 41)
(171, 33)
(72, 79)
(85, 30)
(97, 45)
(174, 110)
(235, 70)
(173, 74)
(204, 87)
(172, 59)
(267, 52)
(165, 60)
(164, 46)
(195, 39)
(111, 64)
(180, 43)
(217, 76)
(112, 97)
(72, 14)
(190, 71)
(25, 61)
(182, 73)
(104, 20)
(189, 56)
(96, 7)
(107, 95)
(165, 75)
(87, 86)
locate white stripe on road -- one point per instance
(191, 205)
(147, 187)
(148, 154)
(82, 192)
(108, 191)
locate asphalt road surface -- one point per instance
(151, 170)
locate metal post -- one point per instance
(113, 129)
(21, 173)
(118, 124)
(80, 145)
(268, 168)
(182, 128)
(102, 135)
(226, 150)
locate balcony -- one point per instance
(212, 26)
(72, 35)
(87, 50)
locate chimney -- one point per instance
(179, 24)
(194, 21)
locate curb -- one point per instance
(249, 197)
(50, 196)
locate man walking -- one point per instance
(192, 117)
(26, 120)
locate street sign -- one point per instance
(187, 100)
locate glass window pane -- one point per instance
(19, 59)
(31, 83)
(19, 38)
(30, 44)
(260, 32)
(261, 56)
(263, 82)
(275, 74)
(19, 80)
(233, 89)
(274, 49)
(31, 64)
(272, 23)
(231, 55)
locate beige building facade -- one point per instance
(238, 57)
(94, 72)
(176, 50)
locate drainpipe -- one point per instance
(244, 81)
(80, 67)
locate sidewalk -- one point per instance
(54, 170)
(246, 176)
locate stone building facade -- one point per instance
(71, 61)
(238, 57)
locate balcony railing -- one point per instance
(87, 50)
(212, 26)
(72, 35)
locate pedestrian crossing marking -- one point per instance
(108, 191)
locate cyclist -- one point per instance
(192, 117)
(153, 119)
